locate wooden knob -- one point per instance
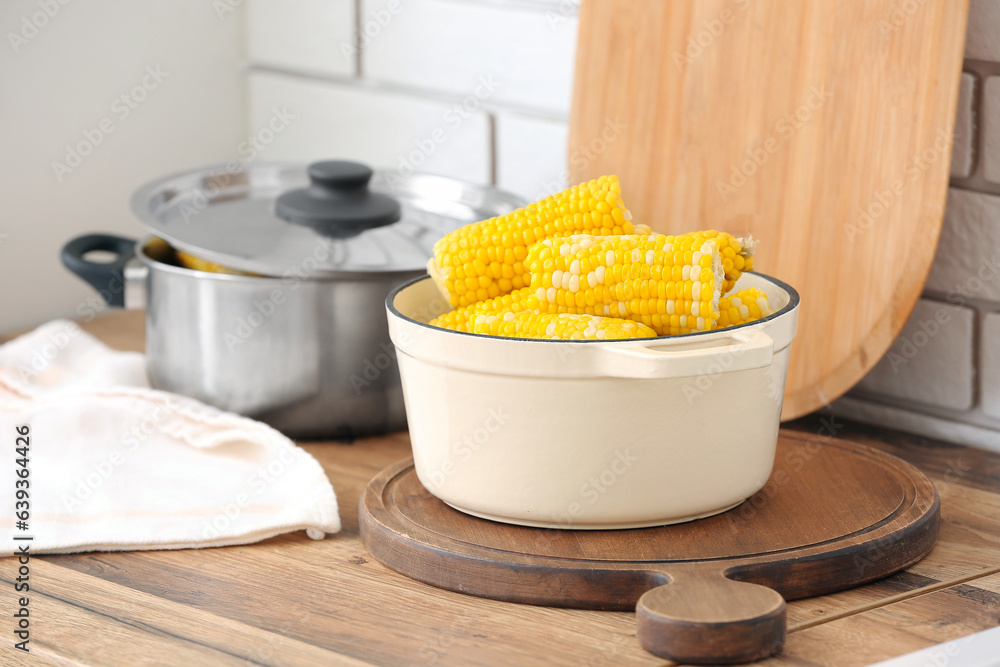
(708, 619)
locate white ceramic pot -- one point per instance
(592, 434)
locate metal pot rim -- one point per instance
(260, 280)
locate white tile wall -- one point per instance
(531, 155)
(311, 35)
(451, 47)
(962, 151)
(937, 342)
(382, 129)
(982, 39)
(965, 264)
(990, 365)
(991, 129)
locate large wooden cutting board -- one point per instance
(822, 127)
(834, 515)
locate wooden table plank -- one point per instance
(356, 603)
(899, 628)
(67, 606)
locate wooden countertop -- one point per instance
(293, 601)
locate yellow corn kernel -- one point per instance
(736, 254)
(745, 306)
(462, 319)
(559, 326)
(464, 273)
(199, 264)
(625, 276)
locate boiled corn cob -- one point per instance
(669, 283)
(485, 260)
(559, 326)
(736, 253)
(462, 319)
(745, 306)
(199, 264)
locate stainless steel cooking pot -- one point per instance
(297, 335)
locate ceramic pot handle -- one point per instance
(742, 350)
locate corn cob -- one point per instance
(736, 253)
(462, 319)
(669, 283)
(558, 326)
(485, 260)
(199, 264)
(745, 306)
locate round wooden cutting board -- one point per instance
(822, 128)
(833, 515)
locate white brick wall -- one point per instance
(448, 46)
(310, 35)
(487, 83)
(968, 247)
(937, 344)
(991, 129)
(531, 154)
(982, 39)
(381, 128)
(961, 154)
(990, 365)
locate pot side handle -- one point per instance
(740, 351)
(107, 278)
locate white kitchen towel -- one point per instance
(113, 465)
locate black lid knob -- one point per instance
(338, 202)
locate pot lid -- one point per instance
(327, 219)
